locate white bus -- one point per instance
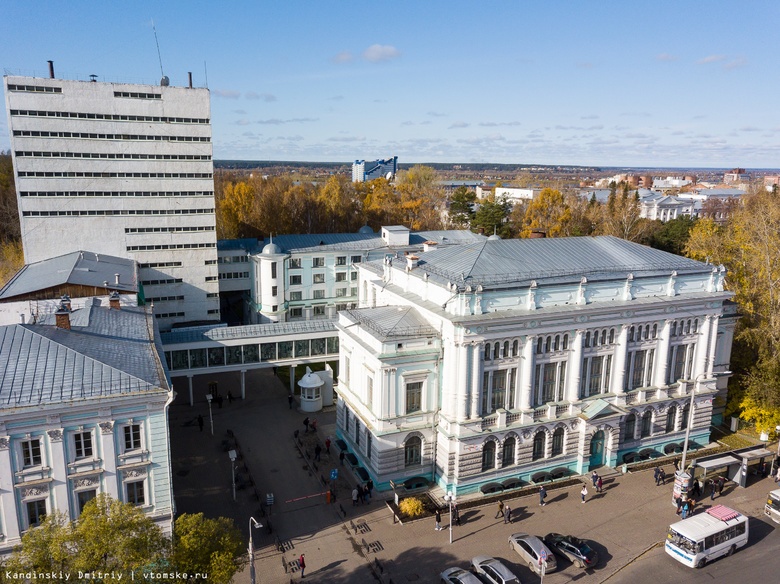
(719, 531)
(772, 507)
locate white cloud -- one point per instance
(342, 57)
(266, 97)
(711, 59)
(437, 115)
(665, 57)
(378, 53)
(278, 122)
(496, 124)
(226, 93)
(457, 125)
(735, 63)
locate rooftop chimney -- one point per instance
(51, 69)
(62, 317)
(113, 301)
(538, 234)
(65, 301)
(189, 76)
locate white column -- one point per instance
(393, 394)
(462, 383)
(527, 374)
(476, 378)
(448, 377)
(713, 344)
(662, 355)
(59, 472)
(619, 362)
(10, 523)
(243, 384)
(702, 350)
(111, 480)
(192, 397)
(574, 370)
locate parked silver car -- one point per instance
(493, 571)
(533, 551)
(458, 576)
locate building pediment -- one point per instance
(600, 409)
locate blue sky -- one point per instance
(609, 83)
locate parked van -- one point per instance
(719, 531)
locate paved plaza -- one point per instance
(628, 518)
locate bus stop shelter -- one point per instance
(735, 465)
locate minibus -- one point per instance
(701, 538)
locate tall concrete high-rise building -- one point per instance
(364, 171)
(124, 170)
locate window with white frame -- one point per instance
(341, 260)
(132, 436)
(82, 445)
(557, 442)
(318, 262)
(549, 382)
(368, 445)
(296, 296)
(318, 294)
(353, 276)
(31, 453)
(273, 270)
(36, 511)
(319, 310)
(488, 455)
(341, 276)
(596, 372)
(413, 397)
(639, 369)
(295, 263)
(84, 497)
(295, 280)
(341, 292)
(318, 278)
(680, 362)
(296, 312)
(356, 259)
(413, 451)
(135, 493)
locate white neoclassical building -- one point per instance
(496, 362)
(84, 398)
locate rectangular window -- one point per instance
(36, 511)
(638, 369)
(485, 392)
(318, 294)
(353, 291)
(357, 432)
(413, 397)
(341, 276)
(295, 263)
(594, 380)
(296, 312)
(318, 262)
(135, 493)
(85, 497)
(341, 292)
(83, 444)
(341, 260)
(273, 270)
(353, 276)
(319, 310)
(318, 278)
(607, 372)
(296, 296)
(510, 401)
(31, 453)
(295, 280)
(274, 290)
(498, 393)
(548, 383)
(132, 437)
(356, 259)
(689, 363)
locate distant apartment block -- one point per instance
(736, 175)
(363, 171)
(123, 170)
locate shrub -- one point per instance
(411, 507)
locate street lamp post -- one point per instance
(252, 523)
(450, 498)
(232, 454)
(209, 397)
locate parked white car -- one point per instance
(533, 551)
(493, 570)
(458, 576)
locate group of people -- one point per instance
(660, 476)
(362, 493)
(454, 518)
(699, 488)
(504, 512)
(598, 482)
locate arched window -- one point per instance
(647, 423)
(687, 327)
(508, 454)
(686, 414)
(671, 414)
(565, 342)
(604, 337)
(557, 342)
(540, 441)
(655, 331)
(412, 451)
(587, 339)
(631, 335)
(487, 351)
(539, 343)
(611, 336)
(630, 427)
(496, 350)
(548, 344)
(514, 348)
(506, 349)
(557, 442)
(488, 456)
(674, 329)
(647, 332)
(696, 325)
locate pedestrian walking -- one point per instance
(584, 492)
(663, 477)
(500, 512)
(354, 497)
(542, 496)
(438, 520)
(341, 458)
(317, 452)
(685, 508)
(306, 423)
(507, 514)
(230, 397)
(721, 482)
(455, 515)
(365, 494)
(370, 487)
(691, 506)
(290, 399)
(657, 475)
(595, 478)
(327, 444)
(200, 422)
(599, 485)
(302, 564)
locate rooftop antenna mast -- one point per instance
(164, 81)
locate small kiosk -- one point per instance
(311, 391)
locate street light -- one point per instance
(209, 397)
(450, 498)
(232, 454)
(681, 476)
(252, 523)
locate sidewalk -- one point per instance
(630, 516)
